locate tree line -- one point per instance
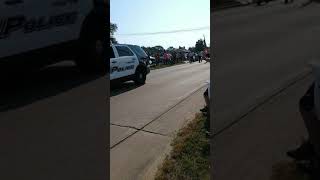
(199, 46)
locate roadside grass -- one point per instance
(160, 66)
(287, 170)
(189, 157)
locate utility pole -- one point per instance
(204, 41)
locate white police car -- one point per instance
(128, 62)
(43, 32)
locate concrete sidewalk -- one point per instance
(249, 148)
(140, 154)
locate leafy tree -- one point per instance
(113, 29)
(200, 45)
(204, 43)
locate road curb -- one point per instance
(265, 99)
(150, 171)
(153, 169)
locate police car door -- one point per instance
(32, 24)
(114, 63)
(126, 60)
(12, 15)
(67, 17)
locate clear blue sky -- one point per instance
(148, 16)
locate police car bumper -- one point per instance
(148, 69)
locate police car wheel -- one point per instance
(96, 55)
(91, 60)
(140, 77)
(91, 51)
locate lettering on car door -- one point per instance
(125, 61)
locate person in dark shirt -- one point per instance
(309, 150)
(206, 96)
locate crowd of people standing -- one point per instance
(175, 57)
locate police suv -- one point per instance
(128, 62)
(43, 32)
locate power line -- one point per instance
(165, 32)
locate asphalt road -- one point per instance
(144, 119)
(53, 121)
(258, 50)
(53, 124)
(136, 107)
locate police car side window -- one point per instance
(111, 53)
(124, 51)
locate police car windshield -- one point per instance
(138, 51)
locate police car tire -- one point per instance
(140, 77)
(88, 59)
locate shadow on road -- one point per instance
(287, 170)
(20, 89)
(119, 88)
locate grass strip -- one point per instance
(160, 66)
(189, 157)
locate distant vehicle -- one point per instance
(152, 61)
(54, 31)
(128, 62)
(140, 53)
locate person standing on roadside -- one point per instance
(200, 56)
(157, 58)
(178, 57)
(195, 57)
(190, 57)
(166, 58)
(309, 106)
(174, 57)
(206, 110)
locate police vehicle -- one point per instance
(44, 32)
(128, 62)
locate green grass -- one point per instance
(164, 66)
(189, 158)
